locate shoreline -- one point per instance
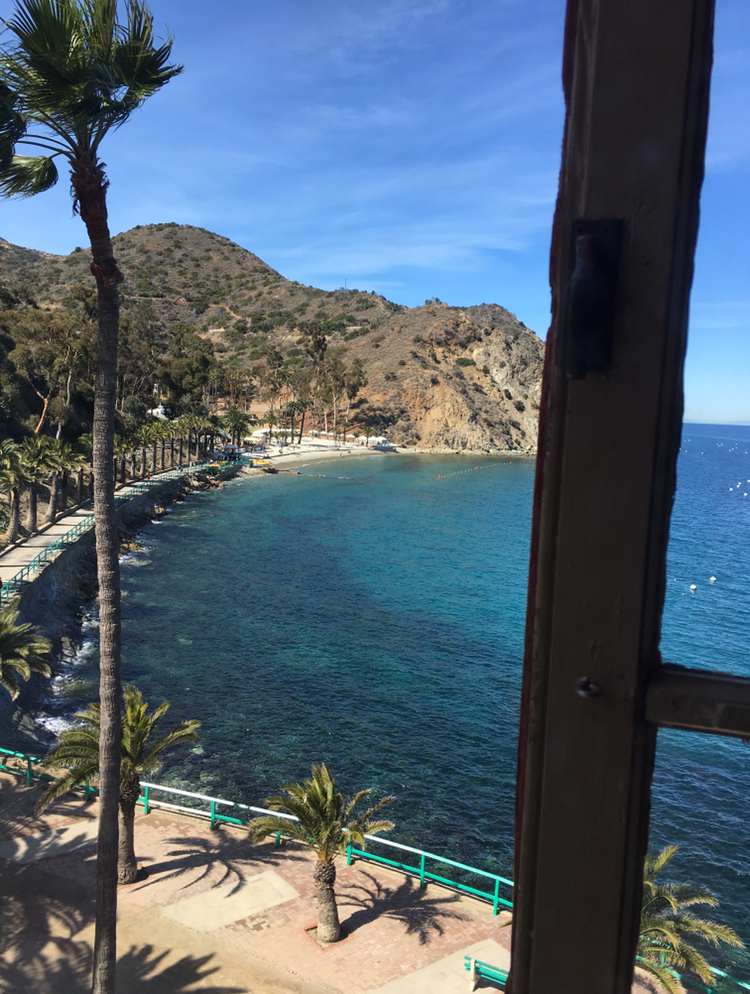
(56, 599)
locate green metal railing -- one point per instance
(16, 582)
(213, 814)
(28, 773)
(420, 870)
(696, 985)
(208, 807)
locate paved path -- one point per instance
(20, 554)
(15, 557)
(227, 917)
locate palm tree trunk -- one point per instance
(329, 928)
(89, 185)
(11, 534)
(127, 865)
(54, 488)
(79, 499)
(31, 522)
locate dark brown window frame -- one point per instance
(636, 77)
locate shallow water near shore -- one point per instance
(370, 616)
(373, 617)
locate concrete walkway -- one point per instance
(15, 557)
(215, 904)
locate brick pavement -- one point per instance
(392, 927)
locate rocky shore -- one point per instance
(55, 600)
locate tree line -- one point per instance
(48, 363)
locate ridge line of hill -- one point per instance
(438, 377)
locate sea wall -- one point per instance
(56, 598)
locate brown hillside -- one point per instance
(439, 377)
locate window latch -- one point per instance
(594, 247)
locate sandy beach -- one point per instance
(313, 450)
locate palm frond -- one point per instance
(82, 774)
(27, 175)
(266, 825)
(22, 649)
(668, 980)
(325, 820)
(78, 747)
(12, 125)
(669, 928)
(77, 72)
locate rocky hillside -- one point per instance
(438, 377)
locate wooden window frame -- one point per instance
(636, 77)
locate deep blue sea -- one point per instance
(372, 617)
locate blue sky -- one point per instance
(405, 146)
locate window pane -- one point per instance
(704, 620)
(701, 802)
(708, 580)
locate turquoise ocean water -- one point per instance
(373, 616)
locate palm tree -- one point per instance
(237, 422)
(21, 649)
(291, 408)
(190, 424)
(325, 822)
(142, 437)
(121, 451)
(302, 407)
(78, 749)
(270, 419)
(171, 432)
(63, 458)
(85, 448)
(13, 477)
(69, 75)
(182, 426)
(38, 460)
(669, 926)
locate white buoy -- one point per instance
(693, 587)
(712, 579)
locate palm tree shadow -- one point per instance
(407, 903)
(37, 909)
(235, 859)
(140, 968)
